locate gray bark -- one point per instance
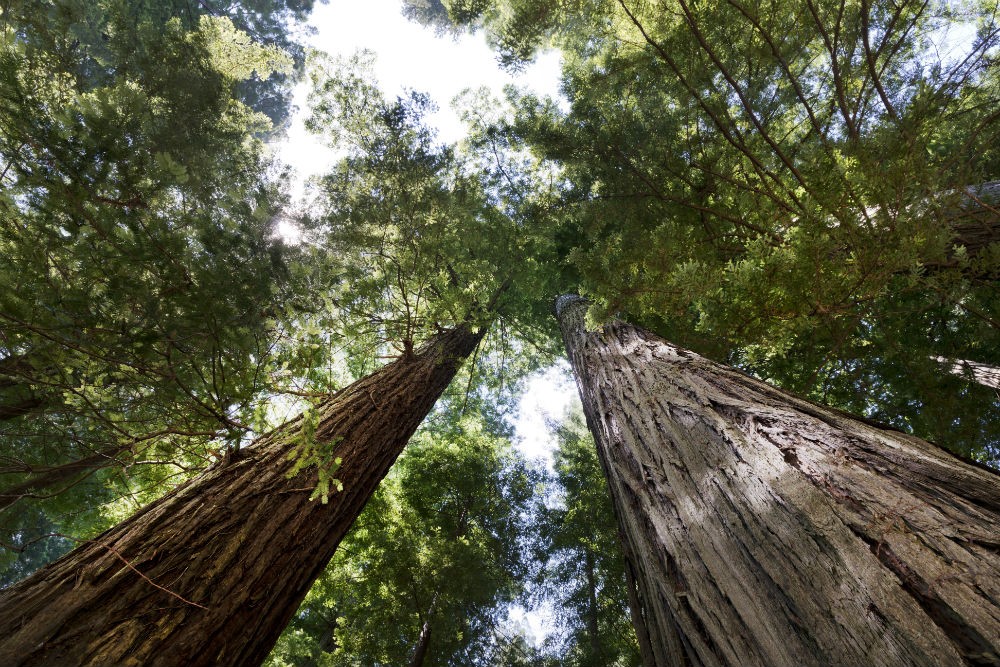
(984, 374)
(765, 530)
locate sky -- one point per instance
(409, 56)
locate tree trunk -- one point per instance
(984, 374)
(766, 530)
(327, 642)
(424, 638)
(593, 629)
(40, 481)
(211, 573)
(423, 643)
(20, 408)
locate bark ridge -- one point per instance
(762, 529)
(211, 573)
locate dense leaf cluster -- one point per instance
(136, 223)
(797, 188)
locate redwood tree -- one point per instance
(211, 573)
(763, 529)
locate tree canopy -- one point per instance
(802, 189)
(807, 191)
(138, 228)
(443, 542)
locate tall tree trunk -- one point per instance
(327, 642)
(424, 638)
(423, 643)
(593, 629)
(766, 530)
(211, 573)
(984, 374)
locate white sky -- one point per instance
(547, 396)
(409, 56)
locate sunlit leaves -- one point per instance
(770, 182)
(440, 542)
(136, 230)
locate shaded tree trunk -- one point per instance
(765, 530)
(20, 408)
(984, 374)
(41, 481)
(424, 638)
(593, 629)
(211, 573)
(327, 642)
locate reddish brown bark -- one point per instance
(762, 529)
(211, 573)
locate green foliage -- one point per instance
(781, 186)
(236, 56)
(412, 236)
(308, 452)
(441, 541)
(430, 13)
(140, 261)
(399, 215)
(583, 573)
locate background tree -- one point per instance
(427, 573)
(142, 268)
(583, 574)
(794, 188)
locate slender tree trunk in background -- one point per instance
(765, 530)
(327, 643)
(423, 643)
(225, 559)
(42, 482)
(592, 626)
(424, 639)
(984, 374)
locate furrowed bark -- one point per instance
(423, 639)
(637, 613)
(762, 529)
(211, 573)
(984, 374)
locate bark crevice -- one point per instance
(743, 508)
(242, 542)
